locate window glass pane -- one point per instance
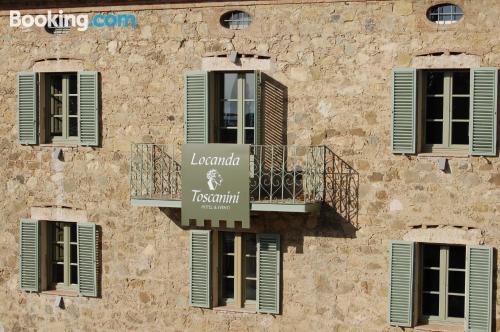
(434, 108)
(73, 105)
(249, 113)
(249, 136)
(249, 86)
(457, 257)
(58, 252)
(73, 84)
(230, 114)
(73, 127)
(431, 255)
(430, 304)
(227, 288)
(250, 244)
(434, 133)
(461, 82)
(460, 108)
(57, 273)
(250, 267)
(250, 290)
(74, 275)
(56, 84)
(460, 133)
(58, 232)
(56, 105)
(227, 242)
(74, 254)
(435, 83)
(431, 280)
(456, 306)
(228, 136)
(228, 265)
(456, 282)
(72, 232)
(230, 86)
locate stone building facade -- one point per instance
(332, 63)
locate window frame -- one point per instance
(443, 292)
(67, 243)
(239, 302)
(454, 16)
(65, 96)
(447, 118)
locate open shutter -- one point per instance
(88, 89)
(478, 301)
(29, 257)
(403, 110)
(87, 262)
(258, 123)
(483, 138)
(27, 117)
(196, 108)
(199, 269)
(268, 273)
(401, 283)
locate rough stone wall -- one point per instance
(336, 61)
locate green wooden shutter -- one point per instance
(268, 273)
(258, 123)
(484, 82)
(87, 262)
(199, 269)
(196, 107)
(478, 301)
(88, 89)
(27, 117)
(29, 256)
(403, 110)
(401, 283)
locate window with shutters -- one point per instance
(446, 105)
(235, 109)
(238, 270)
(63, 252)
(443, 274)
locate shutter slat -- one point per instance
(268, 270)
(403, 110)
(29, 255)
(401, 283)
(87, 262)
(199, 267)
(27, 117)
(478, 302)
(88, 89)
(483, 111)
(196, 108)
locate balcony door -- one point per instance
(235, 107)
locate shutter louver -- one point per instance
(88, 89)
(268, 273)
(484, 82)
(29, 258)
(258, 109)
(403, 110)
(196, 108)
(401, 283)
(27, 117)
(87, 262)
(478, 302)
(199, 269)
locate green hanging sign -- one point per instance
(215, 184)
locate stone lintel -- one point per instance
(447, 234)
(58, 65)
(243, 63)
(446, 61)
(59, 214)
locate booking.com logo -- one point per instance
(61, 20)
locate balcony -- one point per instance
(298, 179)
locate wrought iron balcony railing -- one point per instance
(290, 175)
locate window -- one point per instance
(62, 105)
(446, 110)
(59, 108)
(236, 20)
(59, 256)
(443, 283)
(445, 14)
(236, 108)
(63, 248)
(238, 280)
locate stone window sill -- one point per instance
(234, 309)
(439, 328)
(61, 293)
(444, 155)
